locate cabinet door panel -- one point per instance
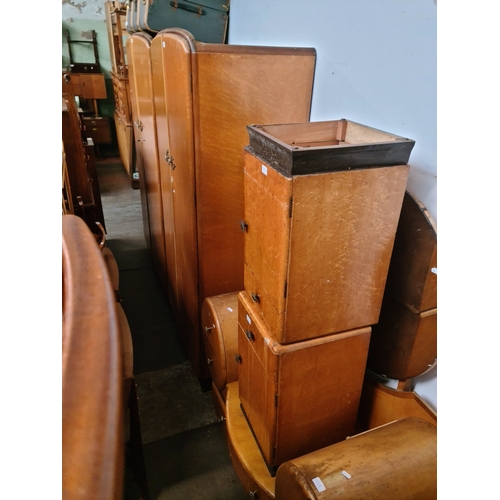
(176, 56)
(140, 44)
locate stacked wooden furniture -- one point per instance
(81, 192)
(322, 202)
(117, 36)
(147, 161)
(204, 96)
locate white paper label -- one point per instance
(346, 474)
(163, 44)
(264, 169)
(249, 320)
(434, 270)
(230, 309)
(319, 484)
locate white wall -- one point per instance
(376, 65)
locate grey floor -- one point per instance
(185, 447)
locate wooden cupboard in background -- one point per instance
(205, 95)
(117, 37)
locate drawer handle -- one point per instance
(208, 328)
(255, 298)
(243, 226)
(238, 359)
(250, 335)
(253, 494)
(209, 361)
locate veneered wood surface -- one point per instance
(411, 278)
(316, 383)
(267, 197)
(139, 157)
(175, 63)
(125, 139)
(219, 321)
(246, 457)
(138, 47)
(380, 405)
(331, 257)
(159, 94)
(235, 86)
(404, 343)
(92, 371)
(396, 461)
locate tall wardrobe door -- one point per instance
(137, 137)
(176, 48)
(143, 87)
(163, 143)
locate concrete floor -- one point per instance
(185, 447)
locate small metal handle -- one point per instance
(208, 328)
(253, 494)
(209, 361)
(221, 419)
(243, 226)
(255, 298)
(103, 232)
(250, 335)
(238, 359)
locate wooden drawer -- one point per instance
(396, 461)
(317, 247)
(219, 321)
(298, 397)
(98, 129)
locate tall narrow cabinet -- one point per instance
(205, 96)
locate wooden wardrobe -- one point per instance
(204, 97)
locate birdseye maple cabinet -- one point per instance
(205, 95)
(299, 397)
(322, 203)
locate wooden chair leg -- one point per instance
(136, 453)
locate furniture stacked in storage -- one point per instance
(117, 36)
(322, 203)
(138, 49)
(81, 193)
(204, 96)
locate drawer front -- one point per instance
(98, 129)
(258, 397)
(257, 335)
